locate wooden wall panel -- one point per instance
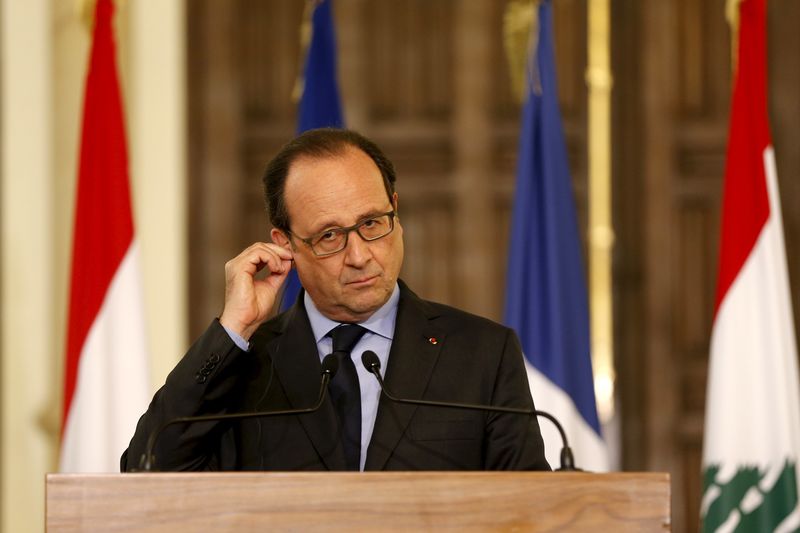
(409, 67)
(267, 34)
(215, 131)
(429, 226)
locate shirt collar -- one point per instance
(381, 322)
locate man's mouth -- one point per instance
(362, 281)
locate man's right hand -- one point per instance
(248, 301)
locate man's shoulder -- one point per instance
(448, 314)
(451, 317)
(462, 332)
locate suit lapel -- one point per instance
(297, 366)
(415, 349)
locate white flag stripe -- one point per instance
(751, 501)
(113, 378)
(588, 448)
(755, 318)
(708, 498)
(730, 524)
(791, 377)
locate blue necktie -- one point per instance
(346, 393)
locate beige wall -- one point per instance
(44, 53)
(28, 258)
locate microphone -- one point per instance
(330, 365)
(373, 365)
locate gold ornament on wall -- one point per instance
(85, 11)
(521, 34)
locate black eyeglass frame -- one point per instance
(308, 241)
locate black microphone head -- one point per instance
(330, 365)
(370, 361)
(567, 460)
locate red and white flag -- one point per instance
(106, 374)
(752, 428)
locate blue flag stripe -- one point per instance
(546, 297)
(320, 106)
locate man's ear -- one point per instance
(394, 202)
(280, 238)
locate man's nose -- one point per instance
(357, 251)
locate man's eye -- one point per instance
(370, 223)
(328, 236)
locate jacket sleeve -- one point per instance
(204, 382)
(513, 442)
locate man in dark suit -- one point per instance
(334, 211)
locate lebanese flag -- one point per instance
(106, 374)
(752, 427)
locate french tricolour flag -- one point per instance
(106, 372)
(546, 300)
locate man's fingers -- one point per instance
(248, 300)
(259, 256)
(274, 249)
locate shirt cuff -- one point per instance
(237, 339)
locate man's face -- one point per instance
(340, 191)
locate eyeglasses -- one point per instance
(334, 240)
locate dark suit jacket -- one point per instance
(438, 353)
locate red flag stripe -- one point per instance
(745, 208)
(103, 220)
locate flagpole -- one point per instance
(601, 233)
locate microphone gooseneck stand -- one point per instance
(373, 365)
(330, 365)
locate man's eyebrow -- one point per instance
(371, 214)
(324, 226)
(330, 224)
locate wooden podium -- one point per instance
(473, 501)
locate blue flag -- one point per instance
(546, 297)
(320, 106)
